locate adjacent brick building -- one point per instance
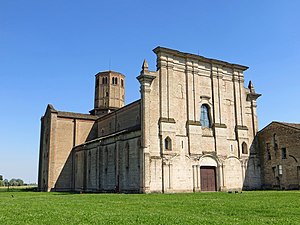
(279, 149)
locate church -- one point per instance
(193, 129)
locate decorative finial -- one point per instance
(251, 87)
(145, 66)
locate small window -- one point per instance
(283, 153)
(76, 163)
(168, 143)
(268, 155)
(103, 80)
(138, 143)
(275, 142)
(268, 146)
(114, 80)
(279, 169)
(106, 94)
(127, 155)
(106, 159)
(244, 148)
(205, 119)
(274, 171)
(90, 164)
(122, 82)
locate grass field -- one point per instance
(269, 207)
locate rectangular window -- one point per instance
(275, 143)
(268, 151)
(268, 155)
(283, 153)
(279, 169)
(105, 160)
(274, 171)
(268, 146)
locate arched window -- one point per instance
(127, 155)
(283, 153)
(268, 155)
(138, 147)
(105, 80)
(76, 163)
(105, 159)
(244, 148)
(89, 167)
(204, 119)
(275, 142)
(168, 143)
(114, 80)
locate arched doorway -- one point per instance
(208, 178)
(208, 174)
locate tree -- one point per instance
(1, 177)
(1, 183)
(13, 182)
(16, 182)
(20, 182)
(5, 182)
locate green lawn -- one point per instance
(269, 207)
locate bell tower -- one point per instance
(109, 92)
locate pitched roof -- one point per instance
(291, 125)
(294, 125)
(71, 114)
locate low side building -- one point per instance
(279, 149)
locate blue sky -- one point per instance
(51, 50)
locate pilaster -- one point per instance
(145, 78)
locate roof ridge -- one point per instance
(291, 125)
(282, 123)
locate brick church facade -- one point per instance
(193, 129)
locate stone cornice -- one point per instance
(220, 125)
(240, 127)
(145, 79)
(159, 50)
(166, 120)
(194, 123)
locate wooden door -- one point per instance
(208, 178)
